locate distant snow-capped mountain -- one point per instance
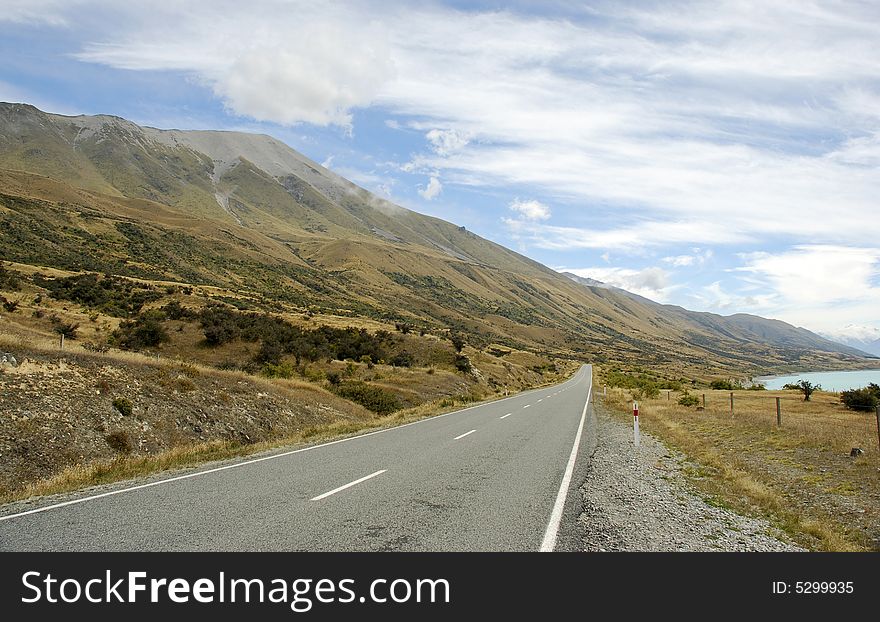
(865, 338)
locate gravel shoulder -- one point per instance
(639, 500)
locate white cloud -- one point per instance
(818, 274)
(697, 258)
(445, 142)
(432, 190)
(305, 64)
(530, 210)
(692, 123)
(650, 282)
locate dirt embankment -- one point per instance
(57, 411)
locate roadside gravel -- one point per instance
(639, 500)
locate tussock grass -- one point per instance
(790, 475)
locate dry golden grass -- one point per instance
(799, 475)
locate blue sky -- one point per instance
(722, 155)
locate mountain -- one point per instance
(247, 213)
(740, 326)
(865, 338)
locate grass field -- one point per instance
(799, 475)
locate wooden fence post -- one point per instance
(878, 424)
(779, 412)
(731, 403)
(704, 401)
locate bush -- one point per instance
(333, 378)
(377, 399)
(123, 405)
(688, 400)
(9, 280)
(463, 364)
(402, 359)
(146, 331)
(113, 295)
(9, 305)
(458, 342)
(804, 386)
(120, 441)
(866, 398)
(725, 385)
(281, 370)
(65, 329)
(176, 311)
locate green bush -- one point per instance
(123, 405)
(725, 385)
(463, 363)
(280, 370)
(688, 400)
(145, 331)
(110, 294)
(402, 359)
(9, 280)
(866, 398)
(377, 399)
(65, 329)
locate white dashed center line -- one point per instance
(504, 416)
(463, 435)
(349, 485)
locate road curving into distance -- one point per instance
(500, 476)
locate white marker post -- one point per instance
(636, 423)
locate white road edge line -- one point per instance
(349, 485)
(549, 542)
(504, 416)
(463, 435)
(253, 461)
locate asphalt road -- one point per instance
(501, 476)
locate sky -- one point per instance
(723, 156)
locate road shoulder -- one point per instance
(639, 500)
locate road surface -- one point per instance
(501, 476)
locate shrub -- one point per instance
(368, 360)
(457, 342)
(9, 280)
(270, 353)
(804, 386)
(120, 441)
(688, 400)
(377, 399)
(176, 311)
(281, 370)
(463, 363)
(9, 305)
(757, 387)
(402, 359)
(145, 331)
(123, 405)
(65, 329)
(333, 378)
(725, 385)
(866, 398)
(113, 295)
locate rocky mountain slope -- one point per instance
(246, 212)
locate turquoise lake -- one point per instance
(829, 380)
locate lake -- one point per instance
(829, 380)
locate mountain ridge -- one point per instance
(104, 194)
